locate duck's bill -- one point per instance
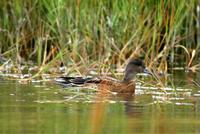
(146, 71)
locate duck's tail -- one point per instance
(76, 81)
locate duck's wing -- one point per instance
(67, 81)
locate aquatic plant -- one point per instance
(81, 33)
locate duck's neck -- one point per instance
(129, 76)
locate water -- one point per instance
(47, 108)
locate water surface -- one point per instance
(48, 108)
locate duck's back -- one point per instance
(113, 85)
(103, 83)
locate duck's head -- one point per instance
(134, 66)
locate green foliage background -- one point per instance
(107, 31)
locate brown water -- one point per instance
(47, 108)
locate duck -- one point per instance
(109, 84)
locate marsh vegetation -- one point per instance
(86, 34)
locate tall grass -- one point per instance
(78, 33)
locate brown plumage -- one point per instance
(127, 85)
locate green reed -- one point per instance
(78, 33)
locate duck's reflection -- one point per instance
(99, 110)
(98, 113)
(132, 108)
